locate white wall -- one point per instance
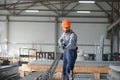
(28, 34)
(89, 35)
(3, 36)
(31, 33)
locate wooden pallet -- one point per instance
(96, 70)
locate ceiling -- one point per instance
(107, 9)
(60, 8)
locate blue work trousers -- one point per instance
(69, 58)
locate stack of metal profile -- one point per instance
(98, 63)
(114, 73)
(84, 77)
(8, 71)
(87, 63)
(33, 76)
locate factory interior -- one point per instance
(30, 30)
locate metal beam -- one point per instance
(58, 10)
(74, 0)
(56, 36)
(5, 3)
(113, 24)
(115, 10)
(71, 9)
(70, 16)
(26, 8)
(7, 34)
(99, 22)
(111, 44)
(52, 5)
(31, 1)
(49, 8)
(7, 8)
(68, 4)
(102, 9)
(118, 38)
(64, 6)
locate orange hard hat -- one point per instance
(66, 23)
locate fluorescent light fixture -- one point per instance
(25, 0)
(83, 12)
(31, 10)
(86, 1)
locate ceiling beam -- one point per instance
(49, 7)
(54, 16)
(103, 9)
(26, 8)
(67, 4)
(115, 10)
(98, 22)
(31, 1)
(74, 0)
(52, 5)
(57, 10)
(113, 24)
(5, 3)
(71, 9)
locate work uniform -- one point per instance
(69, 43)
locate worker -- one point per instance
(68, 42)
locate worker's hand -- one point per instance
(63, 47)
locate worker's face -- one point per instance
(66, 30)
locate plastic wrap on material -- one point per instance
(114, 74)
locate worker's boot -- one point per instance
(71, 75)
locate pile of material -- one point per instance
(8, 71)
(114, 73)
(81, 56)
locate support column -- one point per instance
(111, 44)
(7, 33)
(56, 36)
(118, 39)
